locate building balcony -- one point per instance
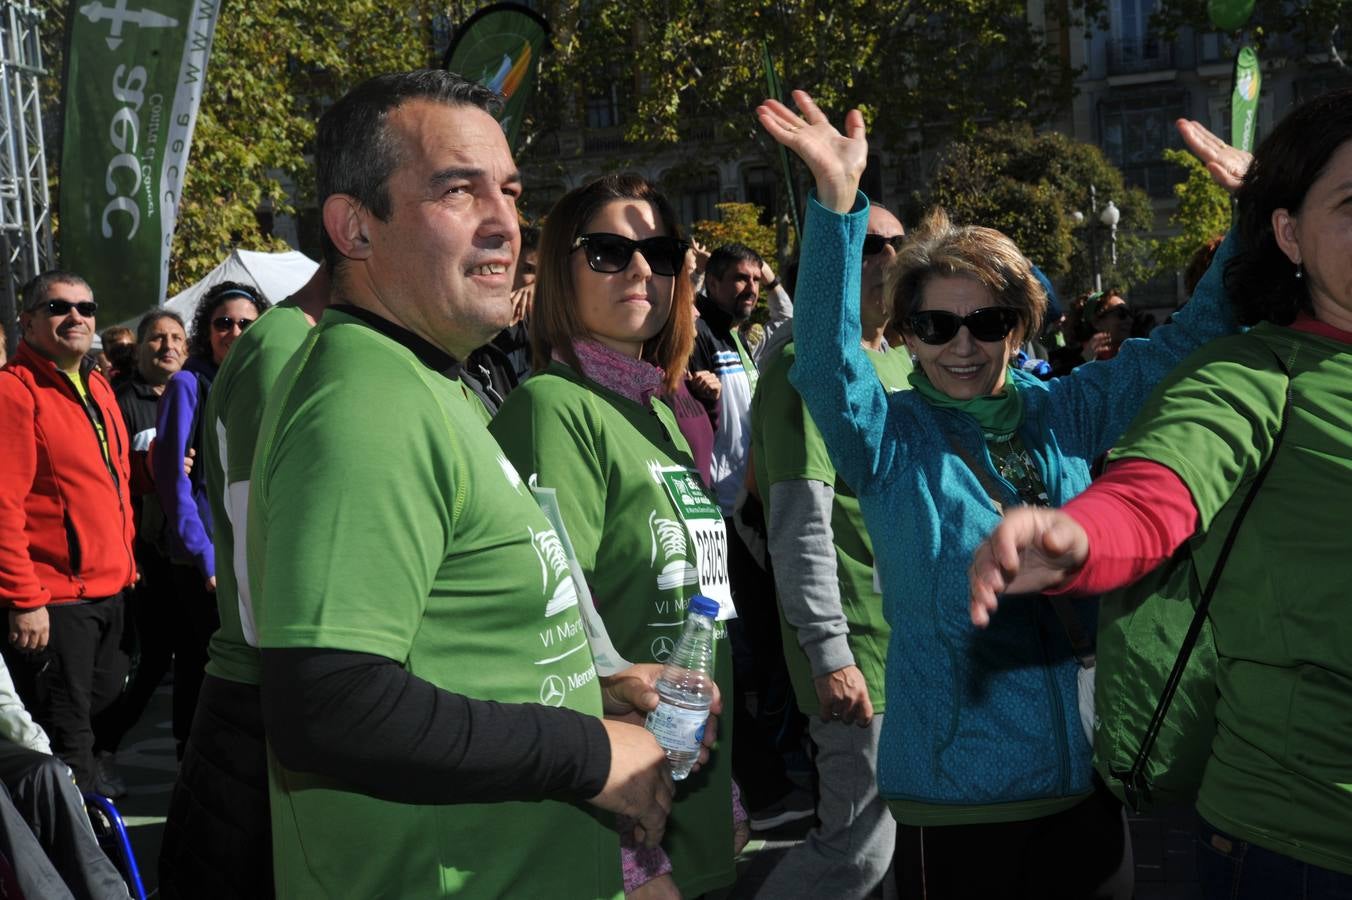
(1130, 56)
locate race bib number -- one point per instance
(704, 527)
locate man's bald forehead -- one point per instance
(881, 221)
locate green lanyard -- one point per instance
(752, 375)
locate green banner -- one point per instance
(500, 46)
(1248, 83)
(135, 70)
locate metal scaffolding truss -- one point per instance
(25, 205)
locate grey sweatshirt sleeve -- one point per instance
(805, 571)
(781, 314)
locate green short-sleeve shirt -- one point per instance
(233, 412)
(787, 446)
(384, 519)
(1280, 772)
(604, 454)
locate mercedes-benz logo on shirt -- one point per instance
(552, 691)
(662, 647)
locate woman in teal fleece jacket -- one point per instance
(982, 758)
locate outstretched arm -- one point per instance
(832, 374)
(1098, 401)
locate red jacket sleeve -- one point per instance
(19, 584)
(1136, 515)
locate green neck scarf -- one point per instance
(998, 415)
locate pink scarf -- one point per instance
(631, 378)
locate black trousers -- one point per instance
(195, 619)
(79, 675)
(1080, 853)
(759, 669)
(218, 835)
(150, 638)
(45, 833)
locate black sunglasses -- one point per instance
(225, 323)
(1120, 311)
(874, 243)
(86, 308)
(989, 324)
(610, 253)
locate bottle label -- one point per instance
(677, 729)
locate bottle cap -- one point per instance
(705, 606)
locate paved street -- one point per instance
(1162, 844)
(146, 762)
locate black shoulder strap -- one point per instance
(1135, 787)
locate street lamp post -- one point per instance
(1109, 217)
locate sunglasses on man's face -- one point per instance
(989, 324)
(225, 323)
(874, 243)
(86, 308)
(611, 253)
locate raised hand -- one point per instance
(1030, 550)
(1226, 164)
(835, 160)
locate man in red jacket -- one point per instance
(65, 520)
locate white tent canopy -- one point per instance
(277, 275)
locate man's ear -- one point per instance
(345, 223)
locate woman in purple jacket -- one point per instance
(226, 310)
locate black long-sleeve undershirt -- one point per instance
(365, 720)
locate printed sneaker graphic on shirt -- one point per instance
(669, 535)
(549, 550)
(513, 477)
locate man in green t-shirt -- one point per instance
(222, 781)
(835, 638)
(432, 711)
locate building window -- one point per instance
(1133, 48)
(603, 109)
(1136, 130)
(695, 195)
(761, 187)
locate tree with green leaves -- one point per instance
(1030, 185)
(737, 223)
(921, 70)
(1203, 212)
(1279, 28)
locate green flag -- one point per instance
(500, 46)
(135, 70)
(1248, 83)
(776, 92)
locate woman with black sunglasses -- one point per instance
(983, 757)
(224, 312)
(612, 328)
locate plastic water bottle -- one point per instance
(686, 689)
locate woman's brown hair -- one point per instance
(939, 248)
(555, 323)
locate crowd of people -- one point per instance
(390, 535)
